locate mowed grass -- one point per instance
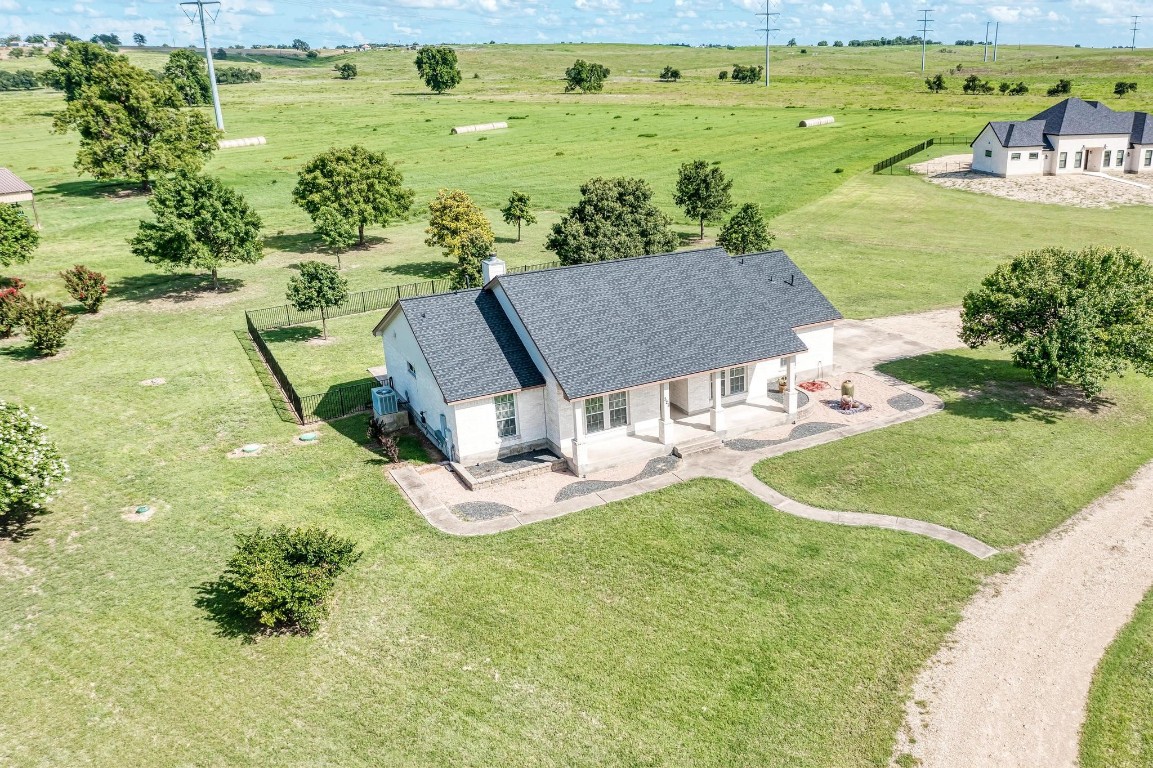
(695, 626)
(1004, 461)
(313, 364)
(1118, 729)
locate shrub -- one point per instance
(20, 80)
(31, 468)
(723, 74)
(86, 286)
(346, 71)
(1020, 89)
(235, 75)
(283, 578)
(11, 305)
(1062, 88)
(45, 323)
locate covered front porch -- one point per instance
(643, 437)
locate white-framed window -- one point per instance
(1108, 158)
(618, 412)
(411, 370)
(1120, 158)
(618, 409)
(1015, 156)
(1077, 159)
(1148, 157)
(988, 153)
(1034, 155)
(734, 381)
(1062, 159)
(505, 415)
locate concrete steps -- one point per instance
(697, 445)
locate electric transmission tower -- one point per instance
(985, 42)
(195, 9)
(924, 21)
(1134, 31)
(768, 29)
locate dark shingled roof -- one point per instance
(618, 324)
(1142, 128)
(470, 345)
(1075, 117)
(1019, 133)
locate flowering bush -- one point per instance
(86, 286)
(31, 469)
(11, 306)
(46, 323)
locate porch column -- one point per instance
(580, 449)
(717, 415)
(666, 423)
(791, 387)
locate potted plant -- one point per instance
(848, 395)
(782, 383)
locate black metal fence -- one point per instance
(357, 303)
(890, 162)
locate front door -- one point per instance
(1093, 159)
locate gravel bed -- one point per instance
(905, 402)
(481, 510)
(807, 429)
(657, 466)
(802, 398)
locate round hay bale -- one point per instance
(815, 121)
(477, 127)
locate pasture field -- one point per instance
(694, 626)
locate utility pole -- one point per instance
(768, 30)
(996, 36)
(199, 6)
(1135, 28)
(925, 21)
(985, 42)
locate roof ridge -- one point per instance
(616, 261)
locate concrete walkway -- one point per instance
(1009, 689)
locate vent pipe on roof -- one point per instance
(491, 267)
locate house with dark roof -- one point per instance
(1073, 136)
(609, 362)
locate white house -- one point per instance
(611, 361)
(1073, 136)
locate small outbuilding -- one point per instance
(14, 189)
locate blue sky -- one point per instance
(323, 23)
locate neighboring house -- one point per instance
(1073, 136)
(14, 189)
(612, 361)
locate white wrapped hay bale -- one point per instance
(253, 141)
(815, 121)
(478, 128)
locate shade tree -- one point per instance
(703, 192)
(318, 287)
(615, 218)
(518, 211)
(454, 219)
(586, 77)
(188, 73)
(746, 232)
(437, 66)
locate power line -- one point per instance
(924, 21)
(199, 12)
(768, 30)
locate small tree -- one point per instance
(361, 185)
(1004, 87)
(31, 468)
(300, 45)
(18, 238)
(1062, 88)
(703, 192)
(518, 212)
(188, 74)
(1122, 88)
(220, 55)
(792, 43)
(139, 39)
(746, 232)
(437, 66)
(585, 76)
(669, 74)
(936, 84)
(46, 324)
(16, 53)
(974, 84)
(473, 249)
(199, 223)
(453, 219)
(1077, 316)
(346, 71)
(284, 577)
(614, 219)
(337, 232)
(723, 74)
(1020, 89)
(86, 286)
(318, 287)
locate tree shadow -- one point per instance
(429, 94)
(21, 353)
(427, 270)
(991, 389)
(293, 333)
(506, 240)
(690, 238)
(221, 601)
(17, 526)
(178, 288)
(96, 190)
(303, 242)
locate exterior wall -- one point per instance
(476, 437)
(819, 340)
(1135, 163)
(1024, 166)
(987, 140)
(679, 394)
(420, 390)
(1071, 145)
(764, 375)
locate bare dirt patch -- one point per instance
(1077, 190)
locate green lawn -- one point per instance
(1004, 462)
(694, 626)
(314, 364)
(1118, 730)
